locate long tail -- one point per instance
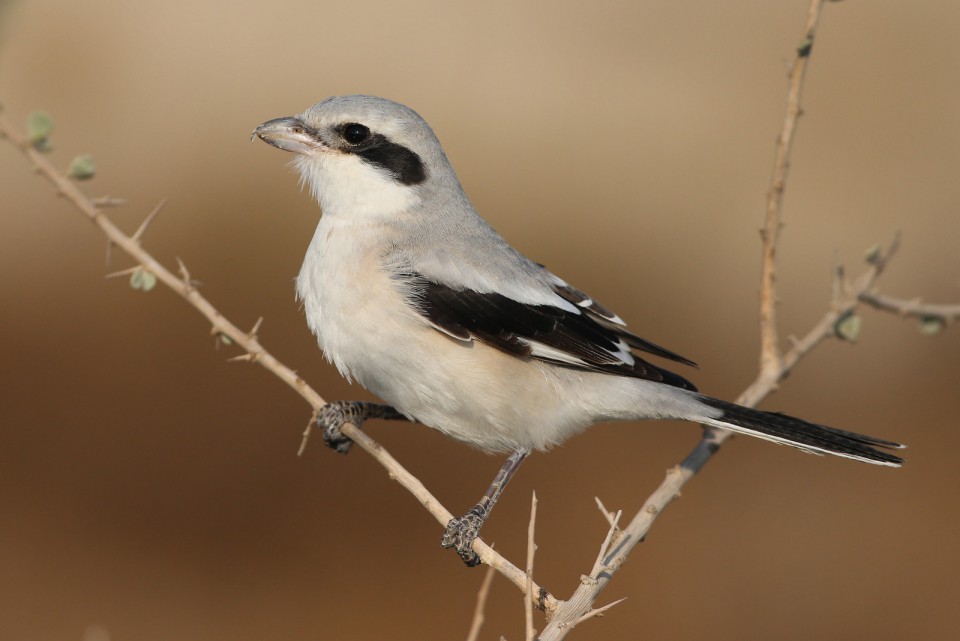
(819, 439)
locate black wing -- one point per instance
(590, 339)
(613, 322)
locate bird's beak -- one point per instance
(289, 134)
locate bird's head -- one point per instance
(361, 155)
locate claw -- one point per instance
(461, 533)
(331, 418)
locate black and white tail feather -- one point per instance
(810, 437)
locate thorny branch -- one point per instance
(93, 208)
(563, 616)
(769, 342)
(774, 366)
(573, 609)
(914, 308)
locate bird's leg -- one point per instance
(332, 416)
(462, 531)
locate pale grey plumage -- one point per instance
(402, 281)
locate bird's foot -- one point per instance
(462, 532)
(332, 416)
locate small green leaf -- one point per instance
(848, 327)
(143, 280)
(226, 340)
(81, 167)
(931, 325)
(149, 281)
(39, 128)
(872, 255)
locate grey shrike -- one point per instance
(415, 296)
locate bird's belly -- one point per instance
(472, 392)
(467, 390)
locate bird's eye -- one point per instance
(355, 133)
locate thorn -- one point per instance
(146, 221)
(613, 534)
(597, 612)
(256, 328)
(124, 272)
(185, 275)
(248, 357)
(306, 433)
(607, 514)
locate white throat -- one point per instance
(345, 185)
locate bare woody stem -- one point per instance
(911, 308)
(773, 367)
(773, 222)
(677, 477)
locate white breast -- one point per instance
(342, 288)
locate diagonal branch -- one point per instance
(93, 209)
(581, 602)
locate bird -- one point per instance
(416, 297)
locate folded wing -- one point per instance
(583, 335)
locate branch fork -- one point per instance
(775, 365)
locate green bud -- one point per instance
(81, 167)
(39, 128)
(931, 325)
(143, 280)
(848, 327)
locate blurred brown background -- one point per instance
(150, 490)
